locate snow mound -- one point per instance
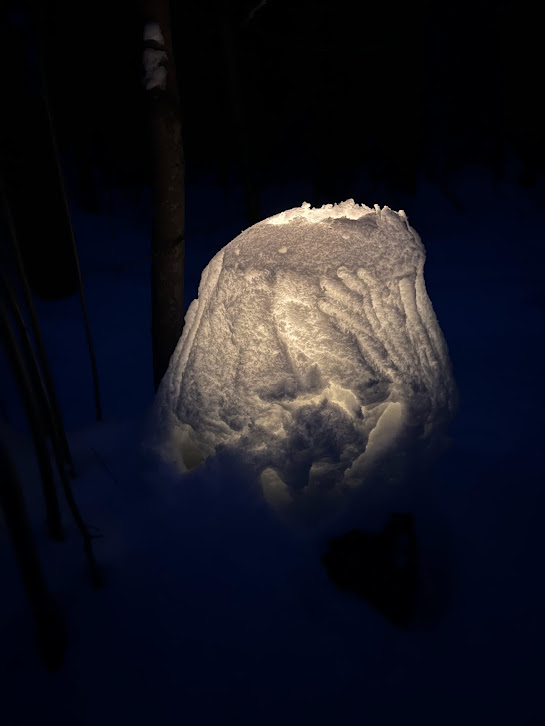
(313, 352)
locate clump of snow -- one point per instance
(154, 59)
(152, 32)
(314, 354)
(155, 73)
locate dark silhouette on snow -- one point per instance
(380, 567)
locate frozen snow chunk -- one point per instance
(152, 32)
(313, 352)
(154, 58)
(155, 72)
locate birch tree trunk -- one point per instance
(168, 223)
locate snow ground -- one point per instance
(214, 613)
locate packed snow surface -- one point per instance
(314, 353)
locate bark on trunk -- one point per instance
(168, 225)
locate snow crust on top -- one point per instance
(313, 353)
(348, 209)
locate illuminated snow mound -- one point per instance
(313, 352)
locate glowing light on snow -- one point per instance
(314, 353)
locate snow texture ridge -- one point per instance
(313, 351)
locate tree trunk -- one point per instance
(168, 224)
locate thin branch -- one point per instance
(43, 410)
(47, 105)
(105, 466)
(42, 404)
(28, 396)
(8, 293)
(40, 344)
(51, 635)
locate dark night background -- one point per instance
(208, 617)
(362, 98)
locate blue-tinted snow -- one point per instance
(214, 614)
